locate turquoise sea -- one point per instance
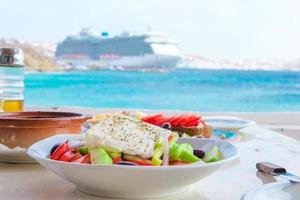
(200, 90)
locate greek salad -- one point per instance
(123, 139)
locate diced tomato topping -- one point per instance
(63, 148)
(84, 159)
(117, 159)
(178, 163)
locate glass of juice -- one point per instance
(12, 79)
(1, 99)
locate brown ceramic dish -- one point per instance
(25, 128)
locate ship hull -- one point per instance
(144, 62)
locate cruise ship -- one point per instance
(148, 51)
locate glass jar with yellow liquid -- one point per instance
(1, 100)
(11, 79)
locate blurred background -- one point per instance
(189, 55)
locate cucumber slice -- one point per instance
(188, 147)
(83, 150)
(213, 155)
(174, 153)
(158, 152)
(100, 156)
(156, 161)
(187, 156)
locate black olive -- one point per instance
(199, 153)
(166, 125)
(54, 148)
(127, 163)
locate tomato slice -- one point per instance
(157, 120)
(160, 121)
(178, 163)
(193, 122)
(177, 120)
(117, 159)
(138, 160)
(186, 120)
(183, 119)
(84, 159)
(76, 156)
(63, 148)
(172, 119)
(67, 156)
(140, 163)
(152, 119)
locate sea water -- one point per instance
(199, 90)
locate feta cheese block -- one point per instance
(126, 134)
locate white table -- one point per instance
(31, 181)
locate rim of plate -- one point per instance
(242, 123)
(250, 194)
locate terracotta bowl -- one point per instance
(22, 129)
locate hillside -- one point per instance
(38, 56)
(202, 62)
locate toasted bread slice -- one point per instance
(205, 131)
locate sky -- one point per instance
(236, 29)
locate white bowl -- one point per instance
(119, 181)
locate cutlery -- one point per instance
(276, 170)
